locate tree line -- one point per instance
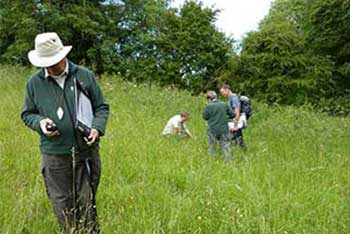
(299, 55)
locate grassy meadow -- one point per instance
(294, 178)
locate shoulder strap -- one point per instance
(81, 87)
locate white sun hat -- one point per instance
(49, 50)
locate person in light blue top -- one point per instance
(235, 104)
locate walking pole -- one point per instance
(74, 189)
(92, 206)
(74, 162)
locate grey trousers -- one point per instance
(57, 171)
(224, 140)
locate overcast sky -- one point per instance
(237, 17)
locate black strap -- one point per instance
(58, 100)
(72, 115)
(81, 87)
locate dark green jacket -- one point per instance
(216, 114)
(40, 103)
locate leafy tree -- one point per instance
(195, 52)
(277, 66)
(329, 36)
(84, 24)
(299, 54)
(141, 40)
(135, 51)
(17, 28)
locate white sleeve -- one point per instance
(177, 122)
(185, 127)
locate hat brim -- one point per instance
(40, 61)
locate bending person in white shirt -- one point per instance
(176, 125)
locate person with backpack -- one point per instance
(242, 109)
(71, 165)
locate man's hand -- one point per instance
(188, 134)
(94, 135)
(43, 126)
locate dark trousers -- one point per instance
(237, 138)
(57, 171)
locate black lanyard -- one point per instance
(59, 100)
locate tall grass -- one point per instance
(294, 178)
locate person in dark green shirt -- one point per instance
(71, 162)
(217, 113)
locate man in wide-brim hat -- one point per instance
(49, 109)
